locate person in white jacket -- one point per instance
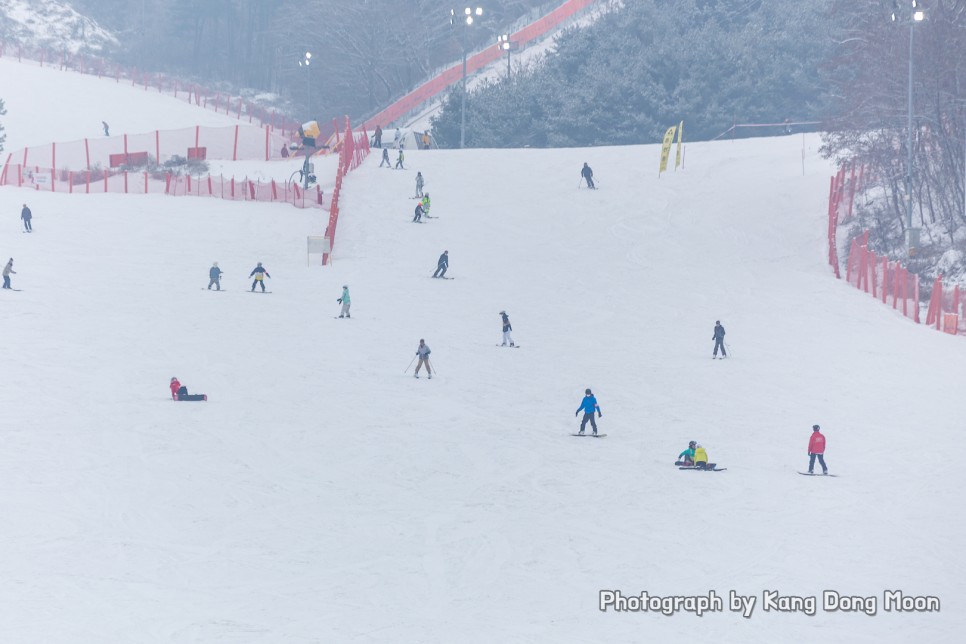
(423, 352)
(7, 271)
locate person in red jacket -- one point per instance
(178, 392)
(816, 448)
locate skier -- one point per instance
(345, 301)
(441, 265)
(399, 160)
(107, 128)
(686, 457)
(397, 138)
(588, 174)
(419, 185)
(701, 459)
(718, 337)
(423, 352)
(214, 276)
(418, 214)
(506, 329)
(426, 140)
(385, 159)
(377, 138)
(816, 449)
(7, 271)
(179, 392)
(588, 405)
(26, 215)
(425, 203)
(260, 275)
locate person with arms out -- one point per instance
(7, 272)
(179, 392)
(816, 449)
(385, 159)
(345, 301)
(214, 277)
(588, 175)
(588, 405)
(507, 327)
(442, 264)
(419, 185)
(686, 458)
(418, 214)
(260, 275)
(26, 215)
(718, 337)
(422, 351)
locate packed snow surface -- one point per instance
(323, 494)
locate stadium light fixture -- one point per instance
(470, 14)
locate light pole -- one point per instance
(912, 234)
(305, 62)
(467, 20)
(503, 42)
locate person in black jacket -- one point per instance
(385, 159)
(377, 138)
(260, 275)
(588, 174)
(214, 277)
(418, 215)
(718, 337)
(506, 329)
(26, 215)
(442, 265)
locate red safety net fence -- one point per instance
(192, 93)
(888, 281)
(353, 150)
(451, 75)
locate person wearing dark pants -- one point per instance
(816, 449)
(377, 139)
(399, 160)
(588, 405)
(442, 265)
(26, 215)
(214, 277)
(385, 159)
(7, 272)
(588, 175)
(418, 214)
(260, 275)
(179, 392)
(718, 337)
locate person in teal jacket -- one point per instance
(687, 456)
(588, 405)
(345, 301)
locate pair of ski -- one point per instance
(591, 435)
(814, 474)
(714, 468)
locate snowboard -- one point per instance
(808, 474)
(213, 290)
(516, 346)
(342, 317)
(13, 289)
(591, 435)
(261, 292)
(702, 469)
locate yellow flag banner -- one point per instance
(677, 158)
(666, 148)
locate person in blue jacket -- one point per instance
(214, 277)
(718, 337)
(588, 405)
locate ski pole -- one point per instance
(410, 364)
(728, 347)
(429, 364)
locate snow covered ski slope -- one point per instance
(322, 494)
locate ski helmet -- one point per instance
(587, 391)
(815, 428)
(259, 263)
(173, 378)
(692, 444)
(502, 312)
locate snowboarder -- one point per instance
(423, 352)
(506, 329)
(260, 275)
(7, 271)
(107, 128)
(26, 215)
(426, 203)
(399, 160)
(588, 174)
(686, 458)
(718, 337)
(442, 264)
(214, 276)
(397, 138)
(178, 392)
(418, 214)
(588, 405)
(377, 138)
(345, 301)
(385, 159)
(419, 185)
(816, 449)
(701, 459)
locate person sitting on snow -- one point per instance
(686, 457)
(179, 392)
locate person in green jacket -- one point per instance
(425, 203)
(687, 456)
(345, 302)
